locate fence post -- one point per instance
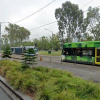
(50, 59)
(93, 63)
(75, 60)
(61, 60)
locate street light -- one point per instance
(0, 36)
(52, 37)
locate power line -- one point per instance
(35, 12)
(86, 3)
(53, 22)
(43, 25)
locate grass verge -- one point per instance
(54, 53)
(42, 83)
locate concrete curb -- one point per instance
(21, 96)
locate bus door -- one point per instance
(97, 56)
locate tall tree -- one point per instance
(44, 43)
(11, 34)
(86, 37)
(70, 20)
(5, 39)
(93, 18)
(23, 34)
(96, 32)
(16, 34)
(56, 43)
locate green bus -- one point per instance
(82, 52)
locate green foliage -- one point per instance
(4, 41)
(56, 43)
(96, 32)
(7, 52)
(86, 37)
(69, 18)
(44, 43)
(72, 22)
(54, 53)
(29, 58)
(48, 84)
(93, 21)
(16, 34)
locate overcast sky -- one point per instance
(15, 10)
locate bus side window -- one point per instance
(98, 52)
(73, 52)
(64, 52)
(78, 52)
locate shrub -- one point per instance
(44, 83)
(7, 52)
(29, 58)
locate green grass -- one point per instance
(54, 53)
(44, 83)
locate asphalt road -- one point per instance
(87, 72)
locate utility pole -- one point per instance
(52, 37)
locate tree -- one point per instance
(96, 32)
(70, 20)
(4, 40)
(24, 33)
(11, 33)
(16, 34)
(29, 43)
(45, 44)
(7, 52)
(29, 58)
(37, 43)
(86, 37)
(56, 43)
(93, 20)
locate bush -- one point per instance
(44, 83)
(7, 52)
(29, 58)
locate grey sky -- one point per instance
(15, 10)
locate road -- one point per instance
(87, 72)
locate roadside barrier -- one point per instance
(51, 59)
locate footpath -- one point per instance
(7, 92)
